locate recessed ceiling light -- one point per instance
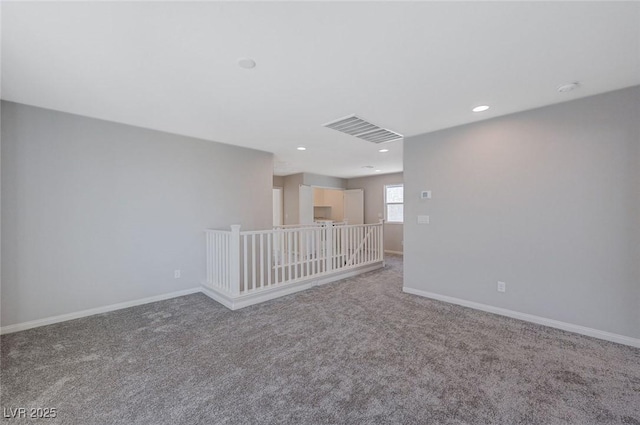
(480, 108)
(246, 63)
(378, 171)
(383, 150)
(301, 148)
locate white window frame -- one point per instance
(386, 218)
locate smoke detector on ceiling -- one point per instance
(246, 63)
(569, 87)
(353, 125)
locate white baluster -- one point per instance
(261, 260)
(234, 260)
(329, 246)
(381, 242)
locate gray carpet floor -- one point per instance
(357, 351)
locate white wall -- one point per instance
(546, 200)
(374, 205)
(97, 213)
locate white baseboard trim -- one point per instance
(386, 251)
(90, 312)
(218, 296)
(236, 303)
(230, 303)
(595, 333)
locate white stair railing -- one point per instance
(240, 263)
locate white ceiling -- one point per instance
(409, 67)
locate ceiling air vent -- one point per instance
(356, 126)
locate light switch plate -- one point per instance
(423, 219)
(425, 194)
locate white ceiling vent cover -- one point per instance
(356, 126)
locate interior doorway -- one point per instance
(277, 206)
(354, 206)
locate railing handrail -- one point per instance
(282, 229)
(297, 226)
(217, 231)
(314, 224)
(293, 228)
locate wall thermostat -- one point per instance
(425, 194)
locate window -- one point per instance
(394, 203)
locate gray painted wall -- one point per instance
(96, 213)
(546, 200)
(278, 181)
(324, 181)
(291, 196)
(374, 205)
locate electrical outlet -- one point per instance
(176, 274)
(502, 287)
